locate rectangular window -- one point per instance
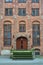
(8, 1)
(35, 1)
(22, 1)
(22, 11)
(22, 28)
(36, 34)
(35, 11)
(8, 11)
(7, 34)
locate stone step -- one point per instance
(4, 56)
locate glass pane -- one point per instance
(35, 1)
(8, 0)
(7, 34)
(22, 28)
(36, 34)
(37, 12)
(7, 27)
(36, 27)
(22, 1)
(10, 11)
(6, 11)
(22, 11)
(33, 12)
(37, 53)
(7, 42)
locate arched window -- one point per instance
(7, 34)
(36, 33)
(22, 27)
(37, 51)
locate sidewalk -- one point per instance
(8, 61)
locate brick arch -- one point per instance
(7, 22)
(37, 49)
(22, 37)
(22, 22)
(36, 22)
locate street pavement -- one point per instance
(8, 61)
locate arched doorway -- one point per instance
(21, 43)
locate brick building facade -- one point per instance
(21, 25)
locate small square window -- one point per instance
(35, 11)
(22, 11)
(8, 11)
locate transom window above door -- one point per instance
(8, 1)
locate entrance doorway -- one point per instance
(21, 43)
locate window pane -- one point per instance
(35, 1)
(22, 11)
(37, 53)
(36, 34)
(7, 34)
(8, 0)
(7, 42)
(22, 28)
(35, 11)
(36, 27)
(22, 1)
(8, 11)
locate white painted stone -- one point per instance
(42, 17)
(14, 17)
(5, 52)
(28, 17)
(1, 17)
